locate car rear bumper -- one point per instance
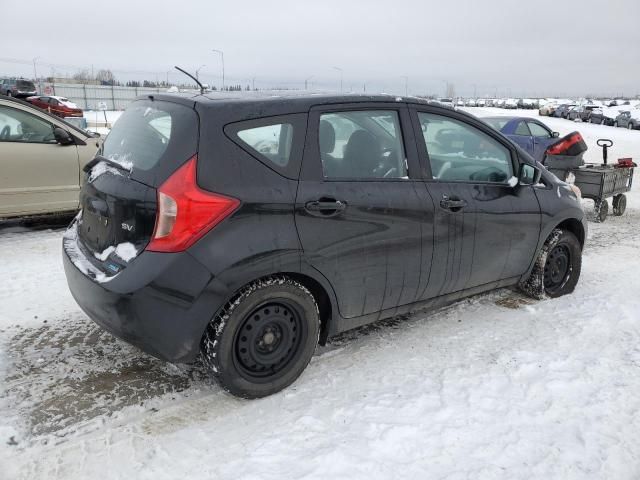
(160, 303)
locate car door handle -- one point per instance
(452, 203)
(325, 207)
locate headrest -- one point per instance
(327, 137)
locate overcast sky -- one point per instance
(518, 48)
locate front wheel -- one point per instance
(557, 268)
(263, 338)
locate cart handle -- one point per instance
(605, 143)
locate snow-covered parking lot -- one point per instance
(494, 387)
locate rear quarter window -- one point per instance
(276, 141)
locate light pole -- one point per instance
(446, 88)
(35, 73)
(222, 57)
(406, 85)
(198, 71)
(306, 81)
(341, 76)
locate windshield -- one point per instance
(497, 123)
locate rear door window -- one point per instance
(522, 129)
(362, 144)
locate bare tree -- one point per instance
(105, 77)
(82, 76)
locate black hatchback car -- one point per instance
(249, 229)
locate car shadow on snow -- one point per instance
(72, 371)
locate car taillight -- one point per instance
(186, 212)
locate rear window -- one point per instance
(151, 137)
(26, 85)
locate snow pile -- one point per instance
(101, 168)
(126, 251)
(77, 257)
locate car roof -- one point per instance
(293, 99)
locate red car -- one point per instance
(59, 106)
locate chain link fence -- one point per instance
(92, 97)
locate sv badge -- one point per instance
(127, 227)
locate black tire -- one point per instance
(600, 210)
(557, 268)
(630, 126)
(619, 204)
(263, 339)
(603, 122)
(615, 123)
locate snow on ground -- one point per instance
(494, 387)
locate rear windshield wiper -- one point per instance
(99, 158)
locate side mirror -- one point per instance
(528, 175)
(62, 136)
(555, 134)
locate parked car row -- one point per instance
(512, 103)
(625, 115)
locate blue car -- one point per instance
(530, 134)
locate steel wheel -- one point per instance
(557, 269)
(269, 338)
(263, 338)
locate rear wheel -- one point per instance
(619, 204)
(263, 339)
(615, 123)
(557, 268)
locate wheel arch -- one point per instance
(319, 291)
(574, 226)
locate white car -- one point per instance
(511, 103)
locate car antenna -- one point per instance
(202, 89)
